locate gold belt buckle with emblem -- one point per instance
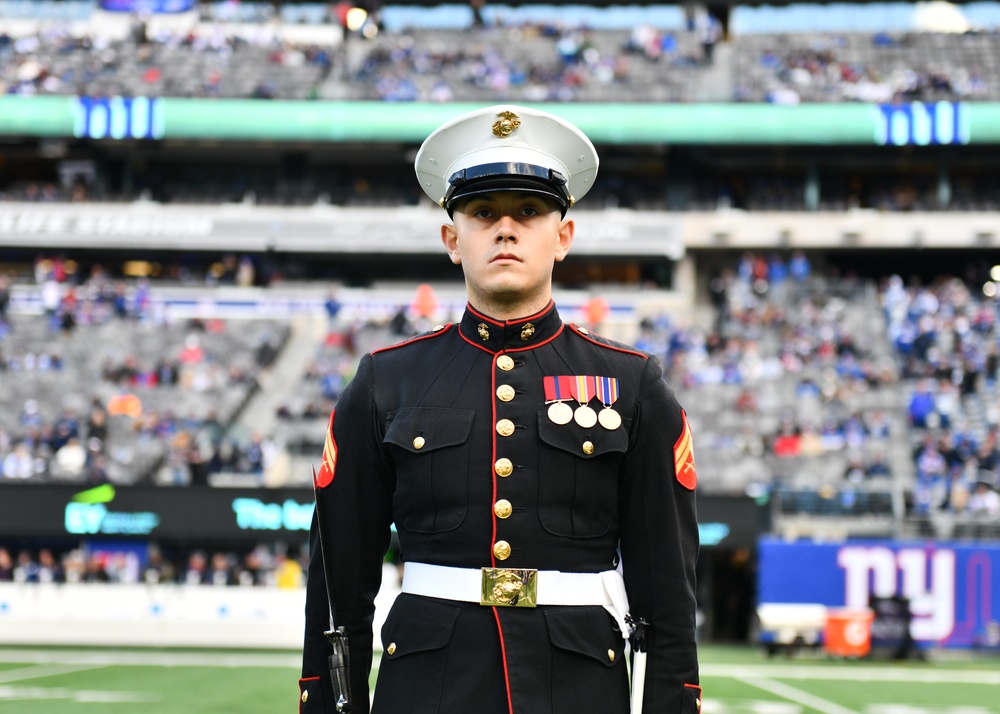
(509, 587)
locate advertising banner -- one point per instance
(248, 515)
(185, 515)
(167, 118)
(953, 589)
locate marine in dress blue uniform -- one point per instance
(541, 477)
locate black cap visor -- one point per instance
(489, 178)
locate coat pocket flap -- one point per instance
(586, 631)
(423, 429)
(572, 437)
(417, 625)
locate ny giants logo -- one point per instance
(927, 579)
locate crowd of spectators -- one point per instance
(59, 60)
(948, 343)
(260, 566)
(777, 320)
(441, 65)
(819, 69)
(131, 404)
(565, 61)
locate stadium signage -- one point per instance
(91, 519)
(734, 123)
(117, 118)
(920, 124)
(712, 533)
(254, 514)
(86, 514)
(138, 225)
(320, 228)
(195, 515)
(952, 588)
(147, 6)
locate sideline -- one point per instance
(88, 659)
(42, 670)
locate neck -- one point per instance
(502, 311)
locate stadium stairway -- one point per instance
(276, 383)
(715, 83)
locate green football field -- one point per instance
(37, 680)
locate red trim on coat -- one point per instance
(484, 348)
(538, 344)
(493, 460)
(695, 686)
(590, 339)
(418, 338)
(503, 654)
(304, 679)
(493, 518)
(518, 321)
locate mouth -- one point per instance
(505, 257)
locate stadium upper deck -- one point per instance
(303, 53)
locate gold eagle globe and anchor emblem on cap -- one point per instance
(506, 124)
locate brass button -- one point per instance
(697, 704)
(503, 467)
(502, 508)
(505, 392)
(611, 655)
(505, 427)
(305, 697)
(501, 549)
(419, 442)
(391, 649)
(583, 330)
(588, 447)
(438, 328)
(505, 363)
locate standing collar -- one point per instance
(505, 335)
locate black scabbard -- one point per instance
(340, 659)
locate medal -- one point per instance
(607, 392)
(609, 419)
(584, 389)
(557, 391)
(560, 413)
(585, 416)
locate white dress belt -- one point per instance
(606, 589)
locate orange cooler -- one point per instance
(848, 633)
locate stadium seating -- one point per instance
(240, 52)
(186, 384)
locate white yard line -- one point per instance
(856, 673)
(791, 693)
(95, 658)
(89, 696)
(42, 670)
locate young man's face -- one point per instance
(507, 243)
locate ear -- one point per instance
(567, 230)
(449, 236)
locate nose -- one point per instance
(506, 229)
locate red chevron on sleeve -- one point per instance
(684, 457)
(329, 466)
